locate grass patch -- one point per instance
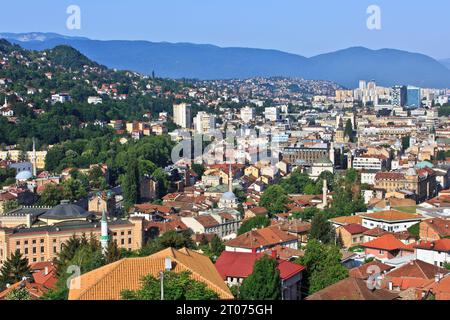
(412, 209)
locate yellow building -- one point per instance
(50, 229)
(15, 155)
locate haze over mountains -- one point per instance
(387, 67)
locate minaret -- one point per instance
(332, 155)
(104, 238)
(325, 193)
(230, 179)
(33, 159)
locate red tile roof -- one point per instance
(417, 269)
(255, 239)
(442, 245)
(387, 242)
(240, 265)
(364, 271)
(392, 215)
(354, 228)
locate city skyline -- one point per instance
(302, 28)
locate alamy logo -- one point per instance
(374, 19)
(74, 20)
(74, 281)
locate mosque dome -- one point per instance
(24, 175)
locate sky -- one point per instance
(305, 27)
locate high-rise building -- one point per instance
(399, 95)
(204, 122)
(182, 115)
(247, 114)
(272, 114)
(413, 97)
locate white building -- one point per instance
(61, 98)
(225, 223)
(391, 221)
(182, 115)
(368, 177)
(247, 114)
(204, 122)
(272, 114)
(436, 252)
(370, 163)
(95, 100)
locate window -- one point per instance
(54, 249)
(42, 249)
(26, 242)
(26, 250)
(129, 240)
(34, 241)
(122, 241)
(42, 240)
(34, 250)
(17, 243)
(129, 232)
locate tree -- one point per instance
(406, 142)
(73, 190)
(321, 229)
(264, 283)
(198, 169)
(274, 199)
(170, 239)
(348, 131)
(18, 294)
(113, 253)
(257, 222)
(217, 246)
(85, 253)
(306, 214)
(10, 205)
(51, 196)
(14, 269)
(177, 286)
(323, 266)
(131, 183)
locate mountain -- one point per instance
(445, 62)
(387, 67)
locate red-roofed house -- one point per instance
(234, 267)
(351, 235)
(386, 247)
(261, 240)
(435, 252)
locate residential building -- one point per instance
(204, 123)
(434, 252)
(182, 115)
(261, 240)
(107, 282)
(234, 267)
(247, 114)
(391, 220)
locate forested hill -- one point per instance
(29, 79)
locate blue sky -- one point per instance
(304, 27)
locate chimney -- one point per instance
(437, 278)
(46, 271)
(274, 254)
(254, 250)
(391, 286)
